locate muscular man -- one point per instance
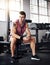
(17, 31)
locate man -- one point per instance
(17, 31)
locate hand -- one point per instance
(26, 38)
(21, 38)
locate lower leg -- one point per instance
(12, 46)
(12, 49)
(32, 45)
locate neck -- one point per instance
(21, 23)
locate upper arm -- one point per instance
(13, 30)
(27, 30)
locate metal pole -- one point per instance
(8, 21)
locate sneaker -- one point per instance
(35, 57)
(12, 59)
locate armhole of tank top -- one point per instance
(26, 24)
(16, 24)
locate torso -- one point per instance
(20, 29)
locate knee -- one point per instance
(13, 41)
(33, 40)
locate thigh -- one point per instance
(28, 40)
(13, 40)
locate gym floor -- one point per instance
(45, 59)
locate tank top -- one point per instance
(20, 29)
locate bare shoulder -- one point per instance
(14, 25)
(26, 25)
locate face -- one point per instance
(21, 18)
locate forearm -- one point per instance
(16, 35)
(28, 35)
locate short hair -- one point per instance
(22, 13)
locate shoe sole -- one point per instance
(12, 61)
(34, 59)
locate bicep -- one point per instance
(13, 30)
(27, 30)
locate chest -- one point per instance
(21, 29)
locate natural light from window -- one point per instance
(13, 6)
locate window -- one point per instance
(42, 11)
(38, 11)
(34, 18)
(34, 11)
(2, 15)
(2, 10)
(13, 6)
(2, 4)
(49, 11)
(43, 3)
(13, 15)
(33, 2)
(43, 19)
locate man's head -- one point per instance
(22, 16)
